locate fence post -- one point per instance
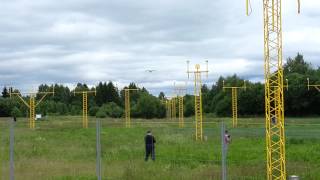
(12, 149)
(98, 148)
(223, 153)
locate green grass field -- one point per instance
(60, 149)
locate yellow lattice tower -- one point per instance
(180, 91)
(316, 86)
(169, 107)
(32, 112)
(85, 109)
(127, 106)
(181, 111)
(173, 109)
(85, 93)
(274, 101)
(234, 102)
(198, 98)
(31, 104)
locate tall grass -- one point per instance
(60, 149)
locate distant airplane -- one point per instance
(150, 70)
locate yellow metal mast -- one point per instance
(274, 101)
(85, 105)
(169, 107)
(32, 112)
(181, 111)
(316, 86)
(180, 91)
(173, 109)
(32, 103)
(234, 102)
(198, 98)
(127, 106)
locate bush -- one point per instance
(93, 111)
(6, 106)
(16, 112)
(110, 110)
(149, 107)
(101, 113)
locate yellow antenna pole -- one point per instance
(84, 94)
(274, 100)
(174, 104)
(198, 99)
(180, 91)
(181, 112)
(169, 108)
(174, 109)
(32, 113)
(127, 106)
(247, 7)
(32, 103)
(234, 107)
(234, 101)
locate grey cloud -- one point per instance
(87, 41)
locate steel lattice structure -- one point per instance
(181, 111)
(274, 100)
(32, 103)
(169, 107)
(127, 106)
(234, 101)
(173, 109)
(85, 105)
(198, 98)
(180, 91)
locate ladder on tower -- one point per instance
(198, 113)
(234, 107)
(173, 111)
(181, 119)
(85, 110)
(127, 108)
(32, 112)
(169, 107)
(198, 98)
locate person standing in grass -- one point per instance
(227, 140)
(149, 142)
(227, 137)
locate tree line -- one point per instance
(109, 100)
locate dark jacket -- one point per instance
(149, 140)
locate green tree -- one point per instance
(5, 92)
(149, 107)
(161, 95)
(111, 110)
(16, 112)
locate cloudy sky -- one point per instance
(49, 41)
